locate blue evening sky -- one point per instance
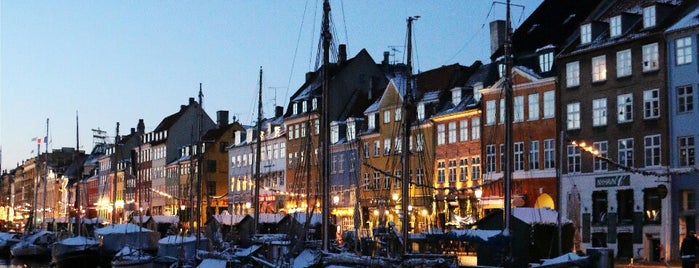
(120, 61)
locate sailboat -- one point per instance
(34, 244)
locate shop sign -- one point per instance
(613, 181)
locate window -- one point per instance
(546, 61)
(314, 104)
(452, 170)
(365, 147)
(296, 130)
(599, 112)
(502, 111)
(455, 96)
(463, 130)
(490, 158)
(549, 153)
(502, 157)
(399, 145)
(420, 177)
(533, 101)
(463, 169)
(685, 99)
(371, 124)
(440, 171)
(650, 57)
(599, 207)
(490, 112)
(688, 202)
(573, 119)
(397, 180)
(615, 26)
(533, 155)
(304, 106)
(686, 151)
(387, 146)
(625, 204)
(377, 148)
(377, 178)
(420, 140)
(295, 108)
(452, 132)
(599, 163)
(501, 70)
(441, 135)
(549, 104)
(599, 68)
(651, 104)
(519, 156)
(398, 114)
(317, 126)
(475, 128)
(683, 48)
(387, 182)
(623, 63)
(651, 145)
(386, 116)
(573, 74)
(585, 34)
(475, 168)
(421, 111)
(573, 159)
(625, 108)
(626, 152)
(648, 16)
(519, 109)
(651, 205)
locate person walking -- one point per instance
(688, 250)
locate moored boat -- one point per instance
(180, 249)
(129, 257)
(114, 237)
(36, 245)
(76, 251)
(7, 240)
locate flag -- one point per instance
(46, 139)
(38, 140)
(34, 139)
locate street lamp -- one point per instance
(479, 193)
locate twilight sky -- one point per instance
(120, 61)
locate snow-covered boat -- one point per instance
(36, 245)
(76, 251)
(7, 240)
(129, 257)
(114, 237)
(181, 249)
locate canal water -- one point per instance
(17, 263)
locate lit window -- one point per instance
(651, 145)
(599, 68)
(573, 119)
(683, 48)
(648, 16)
(650, 57)
(625, 108)
(585, 34)
(651, 104)
(599, 112)
(623, 63)
(615, 26)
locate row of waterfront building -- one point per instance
(604, 132)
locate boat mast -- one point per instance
(78, 173)
(114, 167)
(45, 171)
(408, 106)
(200, 161)
(324, 126)
(37, 180)
(258, 158)
(509, 117)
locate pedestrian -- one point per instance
(688, 250)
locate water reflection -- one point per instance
(18, 263)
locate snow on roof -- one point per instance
(471, 234)
(78, 241)
(228, 219)
(121, 228)
(270, 218)
(307, 258)
(301, 218)
(176, 239)
(537, 215)
(690, 20)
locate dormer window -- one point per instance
(546, 61)
(372, 121)
(585, 34)
(456, 96)
(314, 104)
(421, 111)
(615, 26)
(295, 108)
(477, 91)
(648, 17)
(501, 69)
(351, 129)
(304, 106)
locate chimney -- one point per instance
(141, 127)
(309, 75)
(191, 101)
(386, 54)
(222, 118)
(342, 54)
(497, 35)
(278, 111)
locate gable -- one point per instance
(391, 96)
